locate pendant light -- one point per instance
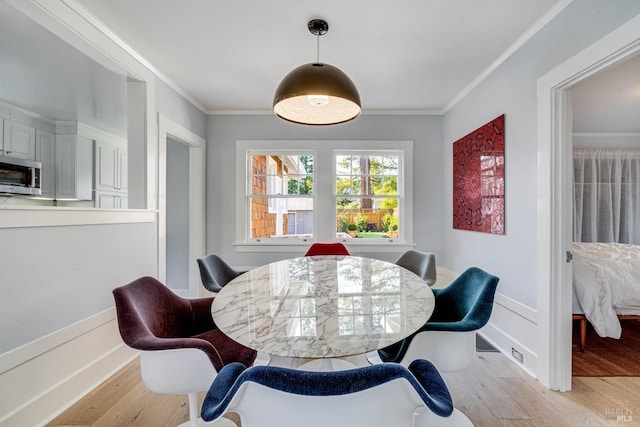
(317, 93)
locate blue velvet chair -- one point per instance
(421, 263)
(215, 273)
(448, 338)
(382, 395)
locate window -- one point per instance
(295, 192)
(280, 184)
(368, 202)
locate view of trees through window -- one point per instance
(366, 195)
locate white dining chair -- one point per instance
(382, 395)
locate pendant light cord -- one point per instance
(317, 48)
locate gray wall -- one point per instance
(171, 104)
(177, 215)
(224, 131)
(511, 89)
(53, 277)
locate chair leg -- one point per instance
(583, 333)
(196, 421)
(374, 358)
(263, 359)
(193, 409)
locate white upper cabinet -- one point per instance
(74, 155)
(46, 154)
(111, 166)
(19, 140)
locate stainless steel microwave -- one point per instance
(20, 176)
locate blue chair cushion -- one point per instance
(464, 305)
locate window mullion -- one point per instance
(325, 203)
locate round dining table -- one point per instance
(323, 307)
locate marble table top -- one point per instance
(323, 307)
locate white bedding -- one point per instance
(606, 281)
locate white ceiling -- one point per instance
(404, 56)
(609, 101)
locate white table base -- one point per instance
(327, 365)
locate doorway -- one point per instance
(181, 226)
(177, 237)
(555, 192)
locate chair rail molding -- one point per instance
(84, 355)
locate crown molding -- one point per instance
(605, 134)
(364, 113)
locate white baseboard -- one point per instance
(41, 379)
(512, 329)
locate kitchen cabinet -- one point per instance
(111, 167)
(74, 167)
(111, 200)
(46, 155)
(19, 140)
(110, 175)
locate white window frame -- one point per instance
(324, 214)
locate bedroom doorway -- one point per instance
(554, 216)
(605, 155)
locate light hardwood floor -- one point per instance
(492, 392)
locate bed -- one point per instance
(606, 286)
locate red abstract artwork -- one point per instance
(478, 179)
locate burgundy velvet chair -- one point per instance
(327, 249)
(181, 348)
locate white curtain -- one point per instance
(606, 199)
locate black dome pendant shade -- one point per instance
(317, 93)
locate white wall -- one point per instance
(511, 90)
(224, 131)
(55, 276)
